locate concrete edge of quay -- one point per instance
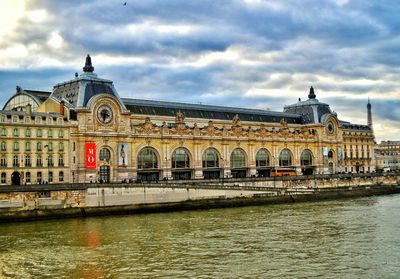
(10, 215)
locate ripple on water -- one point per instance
(334, 239)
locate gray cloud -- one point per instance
(216, 52)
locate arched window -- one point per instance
(238, 158)
(262, 158)
(330, 153)
(180, 159)
(147, 159)
(285, 158)
(105, 154)
(306, 158)
(210, 158)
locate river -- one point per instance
(353, 238)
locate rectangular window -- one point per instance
(50, 134)
(50, 176)
(28, 160)
(39, 133)
(28, 132)
(28, 177)
(50, 161)
(15, 119)
(50, 146)
(39, 177)
(3, 178)
(61, 160)
(3, 132)
(61, 176)
(60, 133)
(16, 132)
(3, 161)
(15, 161)
(38, 120)
(61, 146)
(39, 161)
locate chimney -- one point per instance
(62, 108)
(369, 114)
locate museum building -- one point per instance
(83, 131)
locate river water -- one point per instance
(357, 238)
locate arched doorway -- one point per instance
(211, 168)
(16, 178)
(105, 174)
(181, 164)
(147, 164)
(105, 158)
(306, 162)
(238, 163)
(262, 163)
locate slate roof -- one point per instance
(164, 108)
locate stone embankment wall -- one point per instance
(68, 200)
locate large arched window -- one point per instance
(180, 159)
(262, 158)
(238, 158)
(306, 158)
(105, 154)
(147, 159)
(285, 158)
(210, 158)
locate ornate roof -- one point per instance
(163, 108)
(82, 88)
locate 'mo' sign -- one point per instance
(90, 155)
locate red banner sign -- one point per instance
(90, 155)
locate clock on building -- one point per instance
(330, 127)
(105, 114)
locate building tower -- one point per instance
(369, 114)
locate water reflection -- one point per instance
(335, 239)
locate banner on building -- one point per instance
(123, 151)
(90, 155)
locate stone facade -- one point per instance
(387, 155)
(148, 140)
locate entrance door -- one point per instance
(16, 178)
(105, 174)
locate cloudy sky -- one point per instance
(248, 53)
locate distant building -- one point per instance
(83, 131)
(387, 155)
